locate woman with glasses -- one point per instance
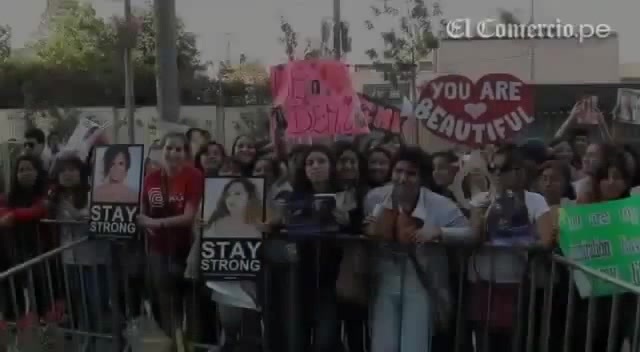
(507, 217)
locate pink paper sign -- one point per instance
(380, 116)
(318, 99)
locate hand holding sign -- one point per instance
(472, 178)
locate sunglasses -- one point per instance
(502, 169)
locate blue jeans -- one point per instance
(400, 310)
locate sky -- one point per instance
(252, 26)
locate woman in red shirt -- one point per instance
(170, 203)
(23, 237)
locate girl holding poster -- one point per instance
(508, 216)
(85, 264)
(170, 200)
(237, 213)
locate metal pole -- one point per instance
(337, 30)
(532, 69)
(166, 60)
(220, 113)
(414, 93)
(228, 55)
(129, 95)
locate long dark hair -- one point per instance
(80, 193)
(568, 191)
(301, 182)
(635, 174)
(26, 196)
(370, 152)
(204, 150)
(612, 160)
(342, 147)
(254, 206)
(247, 169)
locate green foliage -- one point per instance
(80, 63)
(5, 43)
(37, 85)
(188, 53)
(411, 40)
(77, 39)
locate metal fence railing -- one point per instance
(81, 306)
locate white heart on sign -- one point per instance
(475, 109)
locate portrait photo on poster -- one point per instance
(233, 207)
(232, 213)
(115, 191)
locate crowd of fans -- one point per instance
(398, 196)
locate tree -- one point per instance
(289, 38)
(411, 41)
(188, 53)
(326, 31)
(252, 72)
(5, 43)
(508, 17)
(77, 39)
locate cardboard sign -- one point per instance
(486, 112)
(86, 134)
(603, 237)
(628, 106)
(230, 259)
(318, 99)
(115, 191)
(232, 210)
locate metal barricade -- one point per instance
(548, 314)
(52, 293)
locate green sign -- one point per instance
(604, 237)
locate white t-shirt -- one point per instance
(508, 266)
(579, 185)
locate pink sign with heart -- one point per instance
(490, 110)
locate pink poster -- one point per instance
(318, 99)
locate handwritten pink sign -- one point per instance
(318, 99)
(381, 116)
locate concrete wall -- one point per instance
(555, 61)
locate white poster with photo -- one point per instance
(232, 212)
(628, 107)
(84, 137)
(587, 112)
(116, 188)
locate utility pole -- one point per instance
(532, 64)
(220, 112)
(129, 92)
(337, 30)
(228, 55)
(167, 60)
